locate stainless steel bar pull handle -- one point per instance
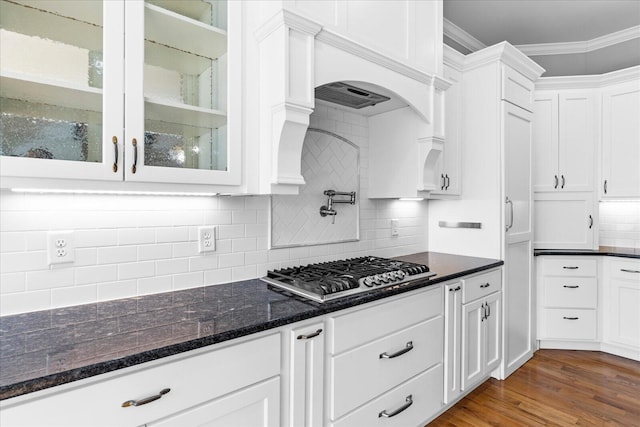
(309, 336)
(407, 349)
(571, 286)
(146, 399)
(629, 271)
(134, 167)
(408, 402)
(510, 203)
(115, 153)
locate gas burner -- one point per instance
(336, 279)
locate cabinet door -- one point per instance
(577, 141)
(448, 167)
(256, 406)
(622, 313)
(492, 332)
(61, 87)
(452, 340)
(472, 346)
(545, 142)
(306, 374)
(176, 93)
(621, 141)
(564, 220)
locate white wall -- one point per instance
(135, 245)
(620, 224)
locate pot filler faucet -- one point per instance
(328, 208)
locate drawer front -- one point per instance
(192, 381)
(356, 328)
(517, 89)
(481, 285)
(422, 397)
(570, 267)
(360, 375)
(571, 324)
(576, 292)
(625, 269)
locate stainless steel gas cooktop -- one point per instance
(336, 279)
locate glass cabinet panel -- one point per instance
(51, 75)
(185, 50)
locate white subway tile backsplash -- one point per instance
(133, 245)
(619, 224)
(96, 274)
(136, 270)
(12, 282)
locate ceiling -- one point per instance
(569, 36)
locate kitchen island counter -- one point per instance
(48, 348)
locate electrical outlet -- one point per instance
(60, 247)
(207, 239)
(394, 227)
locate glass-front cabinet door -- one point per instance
(61, 84)
(116, 90)
(176, 92)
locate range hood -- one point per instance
(349, 96)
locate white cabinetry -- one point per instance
(303, 391)
(452, 341)
(448, 165)
(564, 141)
(481, 327)
(237, 383)
(565, 220)
(497, 88)
(568, 291)
(621, 141)
(168, 61)
(376, 354)
(622, 305)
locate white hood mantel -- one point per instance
(297, 54)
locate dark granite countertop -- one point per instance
(602, 250)
(48, 348)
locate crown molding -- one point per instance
(453, 58)
(507, 54)
(631, 74)
(581, 46)
(460, 36)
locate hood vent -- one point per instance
(348, 96)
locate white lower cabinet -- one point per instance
(236, 383)
(304, 361)
(480, 339)
(622, 304)
(379, 357)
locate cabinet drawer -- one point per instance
(625, 269)
(192, 380)
(576, 292)
(561, 323)
(570, 267)
(424, 392)
(356, 328)
(517, 89)
(481, 285)
(363, 373)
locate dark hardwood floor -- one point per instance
(556, 388)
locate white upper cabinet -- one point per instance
(621, 141)
(564, 142)
(167, 60)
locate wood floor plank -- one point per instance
(555, 388)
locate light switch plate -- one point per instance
(395, 223)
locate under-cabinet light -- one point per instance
(111, 192)
(411, 199)
(620, 200)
